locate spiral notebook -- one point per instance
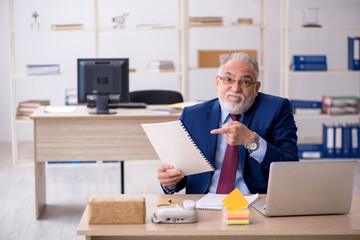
(174, 145)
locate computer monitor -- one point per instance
(102, 81)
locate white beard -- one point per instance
(237, 108)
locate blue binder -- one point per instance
(300, 59)
(329, 141)
(346, 141)
(306, 104)
(338, 142)
(310, 67)
(354, 53)
(309, 150)
(355, 137)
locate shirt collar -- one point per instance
(225, 116)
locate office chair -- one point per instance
(156, 96)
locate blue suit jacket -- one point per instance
(270, 117)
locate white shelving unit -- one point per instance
(259, 25)
(98, 35)
(338, 80)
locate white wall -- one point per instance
(64, 48)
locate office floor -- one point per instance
(69, 187)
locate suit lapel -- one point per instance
(211, 120)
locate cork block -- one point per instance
(213, 58)
(117, 210)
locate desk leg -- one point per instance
(122, 177)
(40, 188)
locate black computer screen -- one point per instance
(103, 77)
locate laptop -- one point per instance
(309, 188)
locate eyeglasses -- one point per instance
(243, 83)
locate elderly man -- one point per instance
(241, 132)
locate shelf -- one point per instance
(326, 116)
(144, 72)
(63, 74)
(325, 28)
(53, 31)
(141, 29)
(231, 26)
(261, 68)
(340, 71)
(74, 74)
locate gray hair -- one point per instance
(243, 57)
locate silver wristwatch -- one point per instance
(253, 144)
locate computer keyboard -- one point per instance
(127, 105)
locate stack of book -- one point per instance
(206, 21)
(354, 53)
(26, 108)
(160, 66)
(310, 150)
(306, 107)
(341, 104)
(309, 63)
(42, 69)
(67, 27)
(341, 141)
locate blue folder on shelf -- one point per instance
(338, 142)
(355, 137)
(300, 59)
(329, 141)
(354, 53)
(310, 150)
(346, 141)
(310, 67)
(305, 104)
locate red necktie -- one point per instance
(229, 166)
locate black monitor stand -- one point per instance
(102, 105)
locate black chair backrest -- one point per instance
(156, 96)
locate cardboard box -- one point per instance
(117, 209)
(244, 21)
(211, 58)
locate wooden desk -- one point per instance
(79, 136)
(210, 225)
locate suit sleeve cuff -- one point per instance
(259, 153)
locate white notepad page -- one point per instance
(212, 201)
(173, 145)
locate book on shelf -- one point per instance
(306, 107)
(26, 108)
(341, 104)
(160, 66)
(338, 110)
(309, 67)
(354, 53)
(34, 103)
(306, 103)
(310, 150)
(206, 21)
(299, 59)
(174, 145)
(42, 69)
(341, 141)
(309, 63)
(58, 27)
(244, 21)
(329, 140)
